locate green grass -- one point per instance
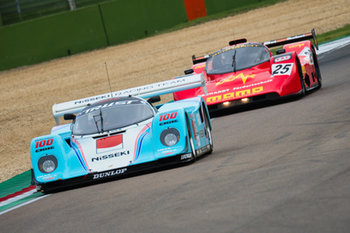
(325, 37)
(335, 34)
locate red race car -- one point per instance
(247, 72)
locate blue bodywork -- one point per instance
(189, 117)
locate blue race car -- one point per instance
(120, 133)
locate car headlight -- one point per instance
(47, 164)
(170, 137)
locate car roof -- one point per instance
(107, 102)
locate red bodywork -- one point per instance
(278, 77)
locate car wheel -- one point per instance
(209, 135)
(193, 150)
(300, 72)
(191, 141)
(210, 138)
(317, 69)
(32, 181)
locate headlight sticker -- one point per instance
(47, 164)
(170, 137)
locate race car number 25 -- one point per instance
(282, 69)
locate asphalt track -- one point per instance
(280, 168)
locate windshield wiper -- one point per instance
(234, 61)
(98, 130)
(101, 117)
(101, 120)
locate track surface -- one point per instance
(282, 168)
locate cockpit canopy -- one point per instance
(111, 115)
(236, 58)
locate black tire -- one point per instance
(317, 69)
(301, 77)
(209, 135)
(43, 189)
(190, 140)
(210, 138)
(193, 150)
(32, 181)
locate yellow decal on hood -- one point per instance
(232, 77)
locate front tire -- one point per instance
(191, 140)
(317, 69)
(193, 149)
(301, 77)
(209, 135)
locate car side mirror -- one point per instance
(280, 51)
(154, 99)
(69, 116)
(189, 71)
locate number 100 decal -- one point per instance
(45, 142)
(282, 69)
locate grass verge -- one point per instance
(335, 34)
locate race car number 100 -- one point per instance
(43, 143)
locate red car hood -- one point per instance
(254, 81)
(235, 85)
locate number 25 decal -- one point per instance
(282, 69)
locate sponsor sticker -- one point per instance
(114, 142)
(186, 156)
(307, 54)
(282, 58)
(167, 122)
(44, 149)
(110, 173)
(109, 156)
(234, 95)
(296, 45)
(233, 77)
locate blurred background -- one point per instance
(13, 11)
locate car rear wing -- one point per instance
(200, 59)
(292, 39)
(146, 91)
(238, 41)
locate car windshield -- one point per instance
(237, 58)
(112, 115)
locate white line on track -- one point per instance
(23, 204)
(337, 44)
(19, 197)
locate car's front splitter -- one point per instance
(113, 174)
